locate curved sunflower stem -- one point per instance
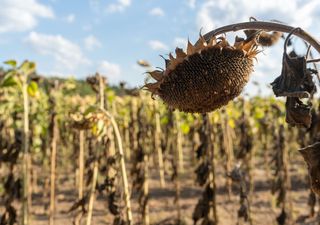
(268, 26)
(123, 166)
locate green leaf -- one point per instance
(11, 62)
(94, 129)
(164, 120)
(32, 89)
(232, 123)
(110, 95)
(70, 84)
(185, 128)
(27, 67)
(258, 114)
(8, 81)
(91, 109)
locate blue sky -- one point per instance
(80, 37)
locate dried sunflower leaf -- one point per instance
(281, 219)
(311, 155)
(202, 173)
(293, 73)
(295, 82)
(297, 113)
(80, 203)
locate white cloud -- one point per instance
(119, 6)
(70, 18)
(157, 45)
(111, 70)
(22, 15)
(156, 12)
(191, 3)
(91, 42)
(215, 13)
(66, 54)
(180, 42)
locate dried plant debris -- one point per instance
(94, 82)
(298, 113)
(311, 155)
(245, 136)
(295, 82)
(80, 204)
(202, 173)
(238, 176)
(114, 203)
(265, 39)
(205, 77)
(202, 208)
(89, 119)
(9, 216)
(281, 219)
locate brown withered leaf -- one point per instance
(202, 173)
(9, 216)
(119, 221)
(113, 203)
(298, 113)
(243, 212)
(81, 203)
(311, 155)
(201, 210)
(293, 74)
(295, 82)
(281, 219)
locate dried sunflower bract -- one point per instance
(207, 76)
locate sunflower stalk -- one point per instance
(228, 147)
(178, 167)
(123, 167)
(281, 184)
(26, 154)
(54, 138)
(95, 163)
(179, 142)
(157, 142)
(81, 163)
(212, 176)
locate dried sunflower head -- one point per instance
(265, 39)
(207, 76)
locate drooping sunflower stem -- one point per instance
(268, 26)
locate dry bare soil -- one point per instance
(163, 209)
